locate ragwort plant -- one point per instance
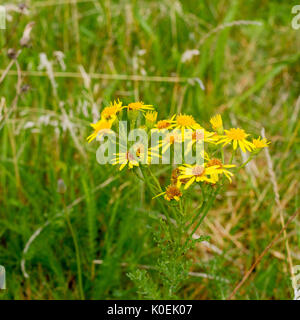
(192, 188)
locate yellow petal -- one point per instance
(242, 146)
(234, 144)
(189, 183)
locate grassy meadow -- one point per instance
(73, 229)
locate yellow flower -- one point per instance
(175, 177)
(200, 136)
(238, 137)
(172, 193)
(140, 153)
(164, 124)
(134, 157)
(222, 169)
(217, 123)
(260, 143)
(125, 158)
(198, 173)
(101, 127)
(139, 106)
(184, 121)
(150, 117)
(197, 138)
(170, 139)
(112, 110)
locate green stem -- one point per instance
(199, 208)
(246, 162)
(155, 179)
(159, 201)
(232, 155)
(222, 154)
(209, 203)
(78, 262)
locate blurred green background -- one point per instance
(83, 54)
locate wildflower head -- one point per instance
(238, 137)
(236, 134)
(125, 158)
(108, 113)
(170, 139)
(198, 171)
(112, 110)
(259, 144)
(217, 123)
(150, 117)
(198, 135)
(214, 162)
(173, 193)
(220, 169)
(129, 156)
(175, 178)
(163, 124)
(101, 126)
(139, 106)
(184, 121)
(173, 137)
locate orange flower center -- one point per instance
(198, 171)
(173, 191)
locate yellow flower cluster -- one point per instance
(210, 172)
(108, 116)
